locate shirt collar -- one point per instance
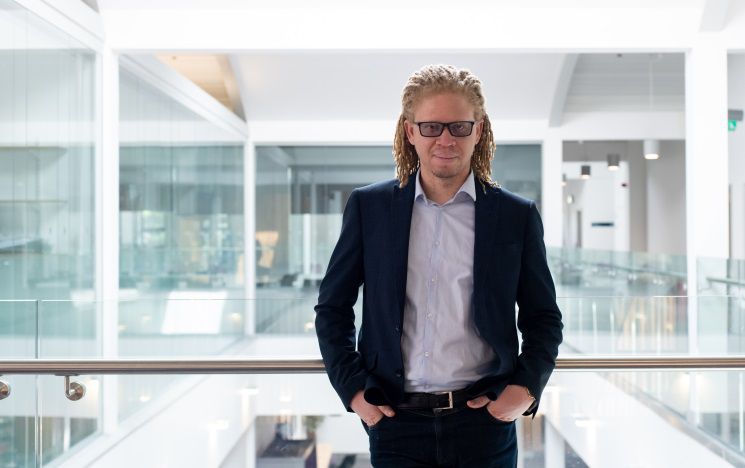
(468, 188)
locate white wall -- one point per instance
(637, 197)
(736, 100)
(666, 200)
(602, 198)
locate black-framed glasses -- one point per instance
(461, 128)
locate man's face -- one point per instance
(444, 157)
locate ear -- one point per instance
(479, 128)
(409, 129)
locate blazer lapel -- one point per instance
(401, 207)
(487, 210)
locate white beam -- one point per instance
(231, 85)
(562, 89)
(241, 82)
(72, 17)
(185, 92)
(623, 126)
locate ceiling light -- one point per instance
(584, 172)
(651, 149)
(613, 161)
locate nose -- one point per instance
(446, 139)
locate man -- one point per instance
(443, 255)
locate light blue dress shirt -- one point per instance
(441, 347)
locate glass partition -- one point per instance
(48, 132)
(587, 272)
(588, 418)
(47, 146)
(301, 192)
(276, 415)
(181, 198)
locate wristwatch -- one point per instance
(529, 393)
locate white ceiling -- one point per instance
(367, 86)
(627, 82)
(294, 68)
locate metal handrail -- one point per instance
(250, 365)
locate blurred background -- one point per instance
(172, 178)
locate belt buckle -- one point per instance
(450, 401)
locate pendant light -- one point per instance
(614, 160)
(651, 149)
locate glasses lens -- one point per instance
(460, 129)
(431, 129)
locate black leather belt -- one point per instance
(434, 401)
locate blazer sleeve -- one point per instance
(539, 318)
(334, 312)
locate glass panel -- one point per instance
(46, 160)
(719, 276)
(65, 424)
(47, 145)
(585, 419)
(18, 423)
(181, 203)
(587, 272)
(518, 169)
(301, 192)
(653, 325)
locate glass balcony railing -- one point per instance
(632, 417)
(683, 358)
(581, 272)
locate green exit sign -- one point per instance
(732, 125)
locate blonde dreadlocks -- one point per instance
(435, 79)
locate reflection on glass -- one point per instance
(181, 198)
(47, 145)
(518, 169)
(588, 272)
(301, 192)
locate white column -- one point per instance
(554, 451)
(551, 192)
(249, 236)
(107, 228)
(707, 181)
(251, 454)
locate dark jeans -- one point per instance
(460, 438)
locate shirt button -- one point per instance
(426, 354)
(397, 329)
(437, 242)
(434, 279)
(399, 373)
(429, 315)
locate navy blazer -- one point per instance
(509, 267)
